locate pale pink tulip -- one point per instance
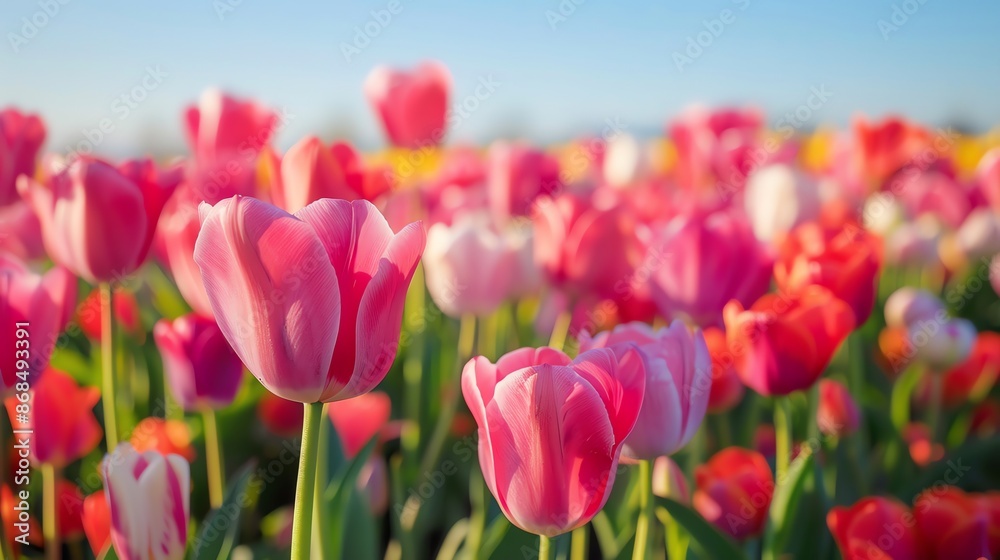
(678, 383)
(412, 105)
(311, 302)
(176, 237)
(551, 430)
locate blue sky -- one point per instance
(557, 77)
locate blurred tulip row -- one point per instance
(724, 342)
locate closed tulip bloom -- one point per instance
(975, 376)
(942, 345)
(988, 178)
(678, 382)
(727, 389)
(875, 527)
(881, 148)
(412, 105)
(551, 430)
(97, 521)
(203, 370)
(149, 495)
(837, 414)
(783, 344)
(952, 524)
(42, 301)
(21, 136)
(734, 490)
(312, 302)
(62, 417)
(178, 233)
(517, 174)
(20, 232)
(844, 260)
(98, 221)
(777, 199)
(669, 481)
(909, 305)
(167, 437)
(708, 259)
(69, 510)
(222, 126)
(311, 171)
(469, 267)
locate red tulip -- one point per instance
(678, 381)
(922, 449)
(358, 420)
(551, 430)
(69, 510)
(734, 490)
(882, 148)
(37, 303)
(21, 136)
(727, 389)
(98, 221)
(517, 175)
(875, 527)
(203, 370)
(990, 504)
(975, 376)
(706, 260)
(97, 521)
(953, 525)
(329, 282)
(221, 126)
(282, 417)
(126, 310)
(412, 105)
(783, 344)
(163, 436)
(62, 417)
(837, 413)
(845, 261)
(311, 171)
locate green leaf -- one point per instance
(218, 534)
(712, 542)
(786, 498)
(335, 499)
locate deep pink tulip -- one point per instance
(706, 260)
(224, 127)
(311, 171)
(21, 136)
(412, 105)
(98, 221)
(517, 175)
(20, 232)
(551, 430)
(715, 148)
(149, 495)
(177, 234)
(678, 383)
(44, 303)
(837, 414)
(62, 417)
(311, 302)
(203, 370)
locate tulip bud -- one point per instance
(669, 481)
(837, 414)
(411, 105)
(734, 490)
(884, 525)
(21, 136)
(942, 345)
(97, 522)
(201, 367)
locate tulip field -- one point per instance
(719, 341)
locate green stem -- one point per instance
(934, 412)
(578, 543)
(561, 330)
(722, 430)
(108, 369)
(305, 488)
(544, 548)
(643, 528)
(213, 458)
(50, 523)
(782, 438)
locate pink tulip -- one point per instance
(708, 259)
(201, 367)
(669, 481)
(40, 303)
(988, 178)
(21, 136)
(20, 232)
(311, 302)
(149, 495)
(224, 127)
(98, 221)
(357, 421)
(551, 430)
(715, 146)
(517, 175)
(177, 234)
(311, 171)
(678, 383)
(412, 105)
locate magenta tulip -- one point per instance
(311, 170)
(551, 430)
(224, 127)
(203, 370)
(21, 136)
(311, 302)
(98, 221)
(678, 383)
(517, 175)
(707, 260)
(412, 105)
